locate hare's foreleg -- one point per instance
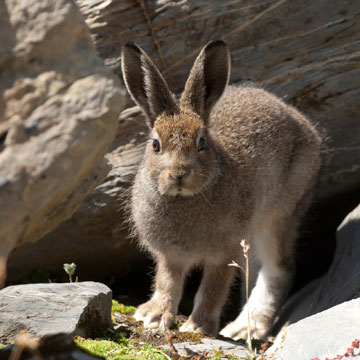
(210, 299)
(274, 242)
(161, 309)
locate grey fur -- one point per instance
(192, 208)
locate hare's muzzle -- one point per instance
(176, 182)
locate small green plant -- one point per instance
(124, 309)
(217, 355)
(70, 270)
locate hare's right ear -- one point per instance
(208, 79)
(145, 84)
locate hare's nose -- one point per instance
(178, 175)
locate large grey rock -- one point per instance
(47, 309)
(324, 335)
(341, 283)
(59, 114)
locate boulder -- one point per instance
(326, 335)
(82, 308)
(59, 115)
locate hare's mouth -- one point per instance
(178, 191)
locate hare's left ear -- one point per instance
(145, 83)
(208, 79)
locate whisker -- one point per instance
(203, 195)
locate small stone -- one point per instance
(226, 348)
(46, 309)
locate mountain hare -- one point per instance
(222, 164)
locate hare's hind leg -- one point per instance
(210, 299)
(161, 309)
(274, 238)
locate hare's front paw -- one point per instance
(237, 330)
(207, 327)
(153, 316)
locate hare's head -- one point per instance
(180, 158)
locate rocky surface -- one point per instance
(211, 347)
(47, 309)
(54, 347)
(305, 52)
(59, 110)
(328, 334)
(340, 283)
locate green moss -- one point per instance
(117, 307)
(122, 350)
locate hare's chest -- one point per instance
(192, 232)
(171, 229)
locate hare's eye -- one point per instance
(156, 145)
(201, 144)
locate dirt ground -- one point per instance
(125, 325)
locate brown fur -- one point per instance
(260, 163)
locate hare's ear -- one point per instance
(208, 78)
(145, 84)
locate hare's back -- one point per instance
(254, 119)
(276, 145)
